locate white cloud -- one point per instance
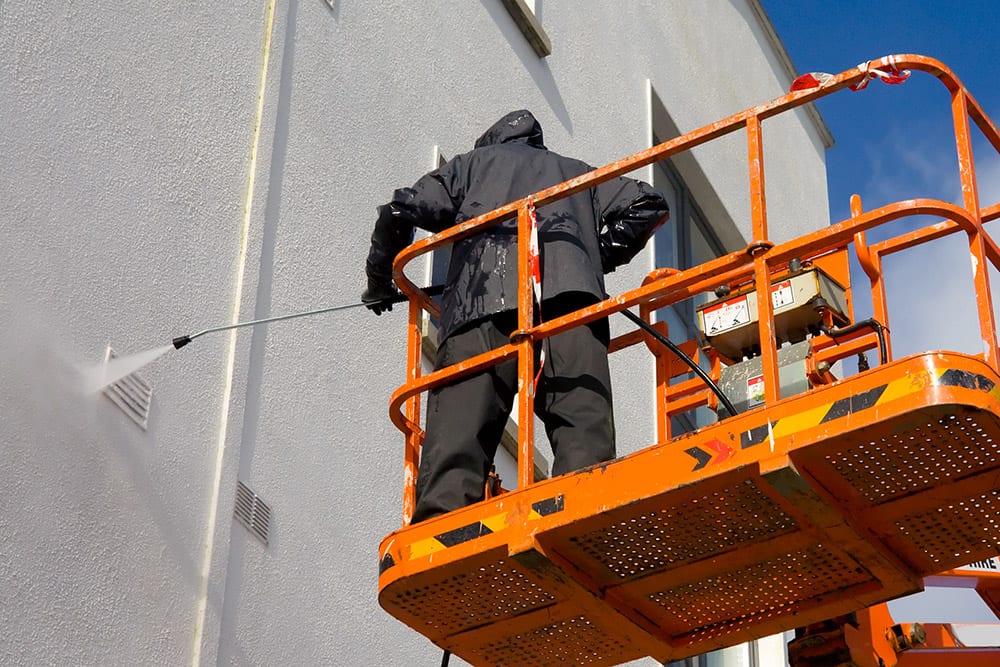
(930, 290)
(931, 299)
(908, 163)
(988, 173)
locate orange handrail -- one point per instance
(758, 263)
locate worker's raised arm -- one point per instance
(430, 204)
(631, 211)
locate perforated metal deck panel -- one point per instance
(828, 502)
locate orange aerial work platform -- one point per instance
(802, 508)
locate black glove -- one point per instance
(379, 296)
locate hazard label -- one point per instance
(755, 390)
(782, 295)
(726, 315)
(992, 564)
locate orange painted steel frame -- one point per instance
(509, 527)
(871, 646)
(742, 545)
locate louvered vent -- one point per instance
(133, 394)
(252, 512)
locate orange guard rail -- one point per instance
(828, 519)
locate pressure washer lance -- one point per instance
(435, 290)
(698, 370)
(181, 341)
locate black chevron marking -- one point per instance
(701, 456)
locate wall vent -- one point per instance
(133, 394)
(252, 512)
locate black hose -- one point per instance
(698, 370)
(430, 290)
(870, 323)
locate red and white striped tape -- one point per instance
(535, 266)
(887, 70)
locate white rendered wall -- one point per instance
(125, 131)
(128, 149)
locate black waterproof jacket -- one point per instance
(581, 237)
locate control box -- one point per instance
(729, 324)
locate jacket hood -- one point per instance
(520, 126)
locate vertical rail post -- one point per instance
(414, 439)
(662, 371)
(872, 266)
(759, 247)
(765, 323)
(755, 158)
(977, 246)
(525, 353)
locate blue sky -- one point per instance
(896, 142)
(904, 121)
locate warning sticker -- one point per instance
(755, 390)
(781, 294)
(726, 315)
(992, 564)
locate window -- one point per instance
(437, 274)
(442, 256)
(526, 14)
(686, 241)
(743, 655)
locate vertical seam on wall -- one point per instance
(206, 564)
(650, 167)
(650, 131)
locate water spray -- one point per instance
(181, 341)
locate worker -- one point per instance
(582, 237)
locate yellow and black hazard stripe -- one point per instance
(472, 531)
(959, 378)
(709, 453)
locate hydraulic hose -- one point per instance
(698, 370)
(870, 323)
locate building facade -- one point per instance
(173, 167)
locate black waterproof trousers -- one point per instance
(465, 420)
